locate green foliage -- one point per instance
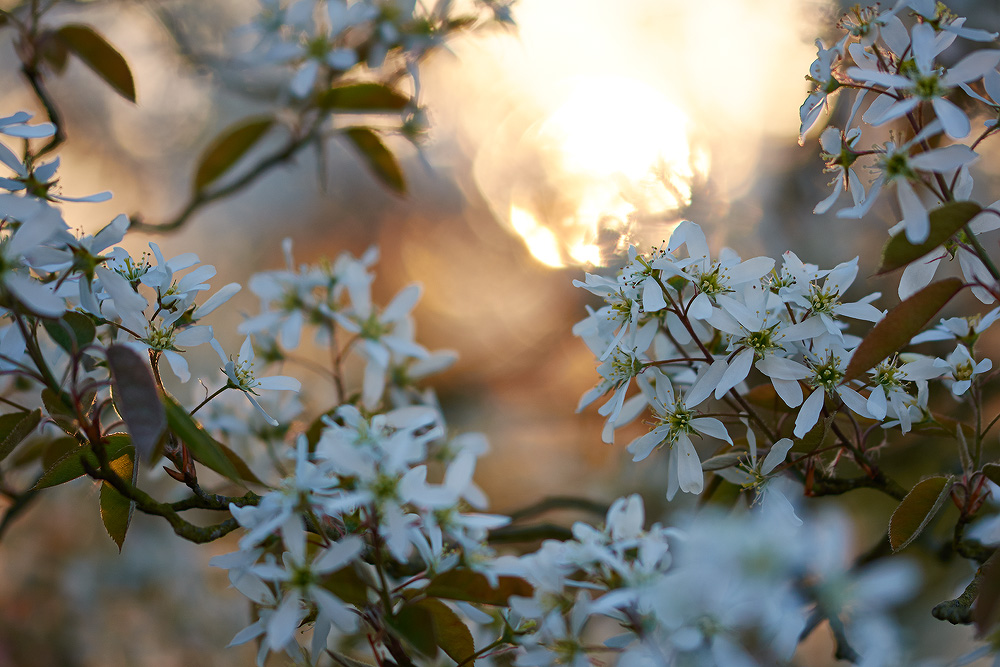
(363, 98)
(15, 427)
(917, 509)
(96, 53)
(945, 222)
(470, 586)
(227, 148)
(72, 332)
(378, 158)
(202, 446)
(116, 509)
(137, 399)
(901, 324)
(70, 466)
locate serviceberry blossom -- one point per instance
(921, 81)
(243, 376)
(676, 422)
(962, 368)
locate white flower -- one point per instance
(838, 151)
(963, 368)
(242, 376)
(710, 278)
(677, 420)
(382, 335)
(896, 165)
(925, 82)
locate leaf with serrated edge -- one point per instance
(416, 625)
(136, 399)
(917, 509)
(227, 148)
(894, 331)
(116, 509)
(945, 222)
(97, 54)
(70, 466)
(379, 158)
(453, 636)
(15, 427)
(202, 446)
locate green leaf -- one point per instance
(379, 158)
(72, 332)
(764, 396)
(227, 148)
(945, 222)
(202, 446)
(894, 331)
(56, 449)
(469, 586)
(116, 509)
(415, 624)
(70, 466)
(362, 97)
(240, 465)
(15, 427)
(452, 635)
(347, 585)
(726, 460)
(917, 509)
(53, 51)
(986, 611)
(136, 399)
(992, 472)
(95, 52)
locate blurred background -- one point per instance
(551, 148)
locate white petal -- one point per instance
(809, 413)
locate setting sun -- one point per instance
(577, 176)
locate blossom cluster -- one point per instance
(897, 76)
(719, 589)
(367, 535)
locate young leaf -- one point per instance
(95, 52)
(116, 509)
(901, 324)
(415, 624)
(202, 446)
(992, 472)
(470, 586)
(227, 148)
(241, 466)
(453, 636)
(379, 158)
(917, 509)
(362, 97)
(986, 611)
(15, 427)
(136, 398)
(722, 461)
(72, 331)
(70, 466)
(945, 222)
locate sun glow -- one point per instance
(574, 178)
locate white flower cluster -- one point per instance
(321, 39)
(896, 74)
(736, 590)
(687, 328)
